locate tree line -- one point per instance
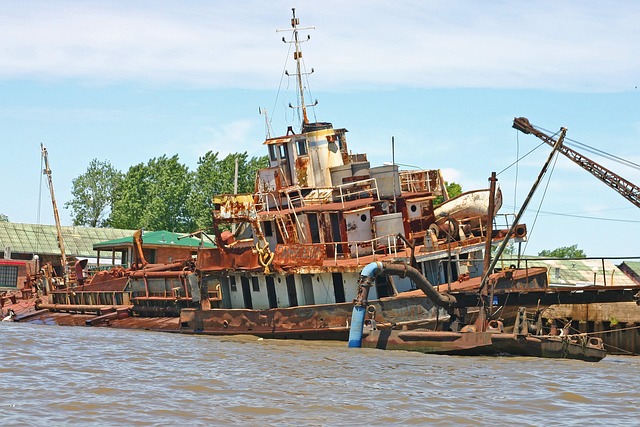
(162, 194)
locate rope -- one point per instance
(604, 332)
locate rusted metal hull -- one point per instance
(487, 343)
(322, 322)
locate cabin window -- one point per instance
(268, 229)
(283, 151)
(271, 292)
(9, 276)
(302, 147)
(383, 287)
(312, 220)
(255, 284)
(307, 288)
(272, 153)
(232, 284)
(246, 295)
(338, 287)
(291, 291)
(363, 218)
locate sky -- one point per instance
(126, 81)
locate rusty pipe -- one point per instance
(403, 270)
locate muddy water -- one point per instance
(96, 376)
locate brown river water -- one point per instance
(54, 376)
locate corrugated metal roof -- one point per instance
(581, 271)
(155, 238)
(633, 266)
(42, 239)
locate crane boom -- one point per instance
(47, 172)
(627, 189)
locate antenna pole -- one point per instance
(298, 56)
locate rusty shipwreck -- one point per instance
(289, 256)
(288, 260)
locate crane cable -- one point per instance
(535, 219)
(596, 151)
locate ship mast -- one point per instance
(47, 171)
(297, 55)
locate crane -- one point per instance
(47, 172)
(627, 189)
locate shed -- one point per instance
(158, 246)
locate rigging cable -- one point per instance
(306, 76)
(530, 232)
(521, 158)
(591, 217)
(284, 70)
(597, 151)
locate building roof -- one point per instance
(633, 266)
(43, 240)
(154, 238)
(581, 271)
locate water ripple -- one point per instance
(104, 377)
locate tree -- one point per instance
(93, 194)
(215, 176)
(453, 189)
(154, 196)
(4, 218)
(564, 252)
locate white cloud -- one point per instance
(234, 137)
(572, 45)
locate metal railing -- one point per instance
(420, 180)
(362, 187)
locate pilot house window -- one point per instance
(302, 147)
(283, 151)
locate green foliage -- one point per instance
(4, 218)
(453, 189)
(161, 194)
(215, 176)
(92, 194)
(564, 252)
(508, 252)
(154, 196)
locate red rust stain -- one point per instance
(301, 170)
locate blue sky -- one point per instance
(126, 81)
